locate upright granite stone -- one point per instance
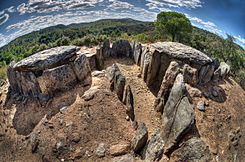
(122, 48)
(82, 70)
(59, 78)
(128, 100)
(167, 83)
(117, 81)
(44, 73)
(140, 138)
(137, 51)
(178, 115)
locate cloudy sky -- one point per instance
(19, 17)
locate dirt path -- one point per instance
(143, 98)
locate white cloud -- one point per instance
(1, 13)
(11, 9)
(46, 6)
(2, 40)
(208, 25)
(4, 18)
(240, 39)
(177, 3)
(120, 5)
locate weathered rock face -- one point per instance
(46, 72)
(154, 149)
(137, 51)
(166, 85)
(117, 80)
(47, 59)
(206, 73)
(190, 75)
(140, 138)
(192, 150)
(128, 99)
(221, 72)
(122, 48)
(178, 115)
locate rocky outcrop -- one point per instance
(46, 72)
(178, 115)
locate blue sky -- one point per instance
(24, 16)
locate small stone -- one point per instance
(75, 137)
(215, 93)
(98, 73)
(100, 151)
(89, 94)
(63, 109)
(87, 153)
(127, 118)
(120, 148)
(34, 142)
(69, 123)
(60, 146)
(201, 106)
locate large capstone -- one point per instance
(49, 71)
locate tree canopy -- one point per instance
(173, 23)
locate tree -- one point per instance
(173, 23)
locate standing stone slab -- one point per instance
(59, 78)
(166, 86)
(128, 99)
(178, 115)
(117, 81)
(82, 69)
(140, 138)
(190, 75)
(122, 48)
(153, 69)
(137, 51)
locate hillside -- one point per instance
(96, 32)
